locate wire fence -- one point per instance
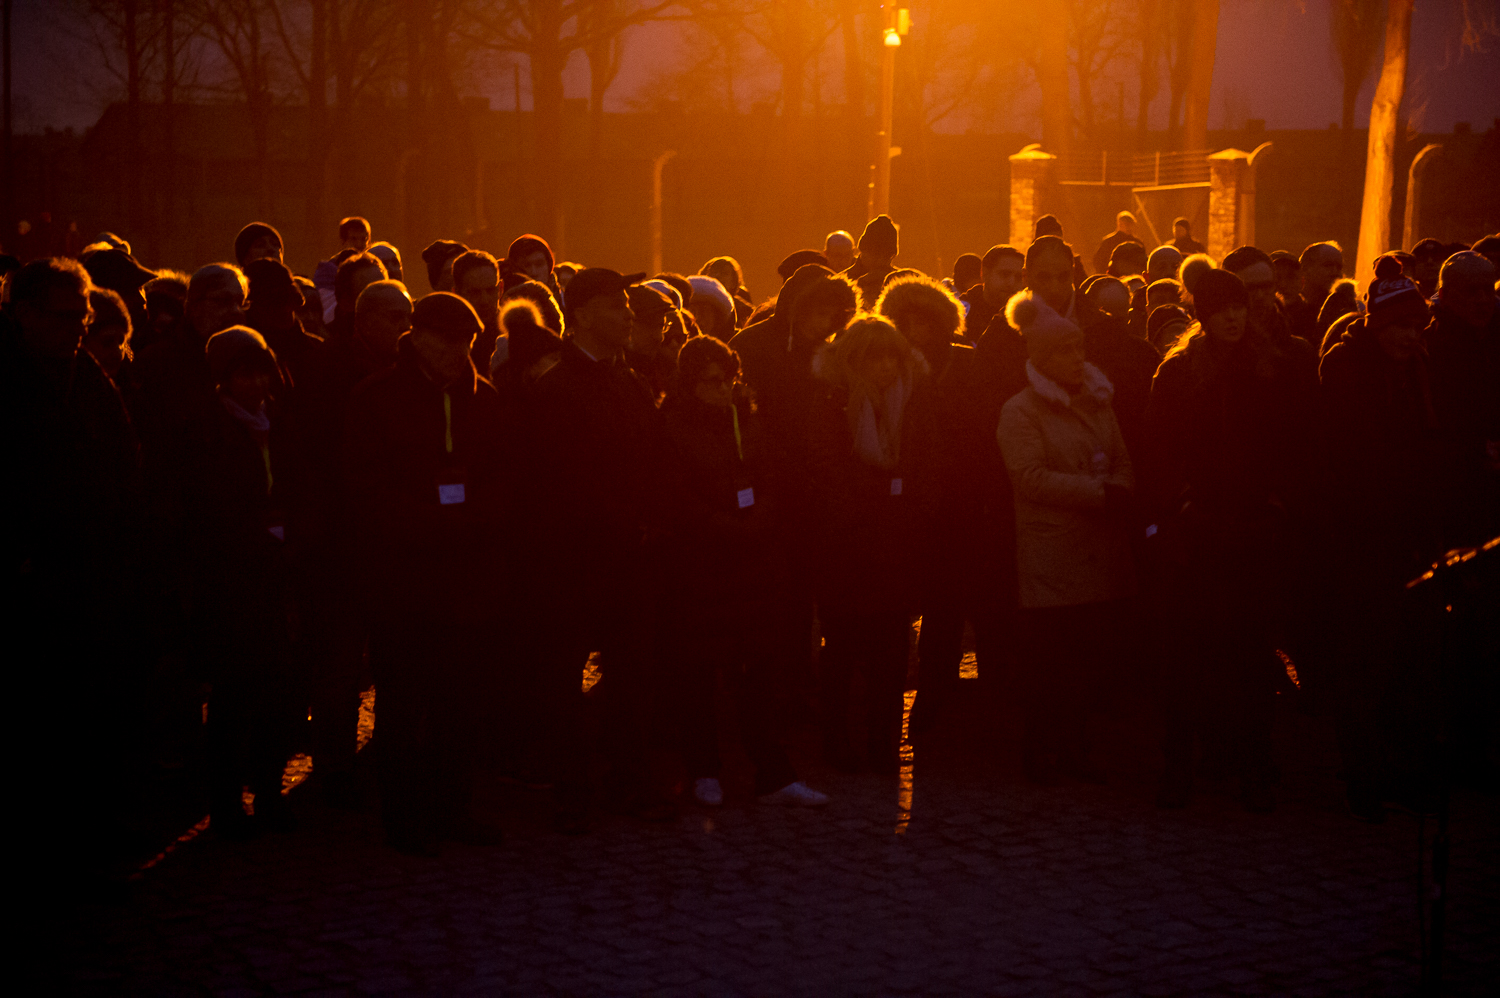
(1152, 169)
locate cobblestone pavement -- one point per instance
(965, 881)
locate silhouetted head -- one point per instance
(443, 330)
(838, 249)
(216, 298)
(1049, 271)
(354, 275)
(257, 241)
(1003, 271)
(381, 315)
(1466, 287)
(1320, 264)
(354, 233)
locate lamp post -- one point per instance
(897, 24)
(657, 165)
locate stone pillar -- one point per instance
(1231, 201)
(1030, 172)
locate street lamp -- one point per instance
(897, 24)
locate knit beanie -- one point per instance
(879, 237)
(1192, 269)
(710, 290)
(1163, 315)
(1039, 324)
(1393, 297)
(669, 292)
(235, 347)
(448, 315)
(1217, 290)
(249, 234)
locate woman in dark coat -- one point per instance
(868, 493)
(241, 606)
(1388, 479)
(1224, 469)
(724, 573)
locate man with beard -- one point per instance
(1000, 278)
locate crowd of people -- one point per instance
(263, 490)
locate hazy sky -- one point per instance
(1273, 62)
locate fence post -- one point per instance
(1030, 172)
(1229, 188)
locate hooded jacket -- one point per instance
(1060, 451)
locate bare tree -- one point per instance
(1356, 29)
(356, 43)
(548, 32)
(242, 32)
(1052, 74)
(1380, 164)
(1203, 43)
(1098, 31)
(1150, 23)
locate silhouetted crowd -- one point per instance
(559, 515)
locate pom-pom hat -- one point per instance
(1393, 297)
(1043, 330)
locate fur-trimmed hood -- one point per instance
(905, 295)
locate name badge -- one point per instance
(278, 532)
(747, 498)
(895, 486)
(451, 483)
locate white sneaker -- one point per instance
(706, 790)
(797, 794)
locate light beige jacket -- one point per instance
(1060, 451)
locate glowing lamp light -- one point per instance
(892, 39)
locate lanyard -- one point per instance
(734, 414)
(448, 422)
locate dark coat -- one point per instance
(176, 401)
(594, 439)
(1107, 247)
(870, 545)
(1224, 452)
(237, 525)
(1385, 460)
(1129, 363)
(721, 493)
(778, 369)
(981, 312)
(426, 558)
(1465, 366)
(73, 482)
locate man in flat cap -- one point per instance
(428, 491)
(592, 428)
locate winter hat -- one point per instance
(1392, 297)
(236, 346)
(786, 268)
(523, 246)
(647, 303)
(1217, 290)
(1193, 268)
(272, 284)
(249, 234)
(802, 278)
(1047, 225)
(672, 294)
(1165, 315)
(879, 237)
(117, 270)
(526, 337)
(447, 315)
(436, 256)
(710, 290)
(1039, 324)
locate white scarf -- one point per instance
(878, 441)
